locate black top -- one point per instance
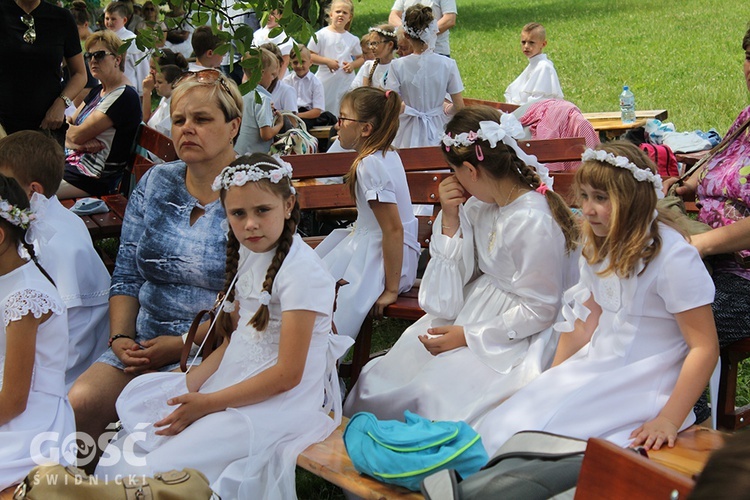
(30, 74)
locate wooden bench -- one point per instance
(608, 471)
(505, 107)
(329, 460)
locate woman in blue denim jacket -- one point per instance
(172, 251)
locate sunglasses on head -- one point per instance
(30, 35)
(96, 56)
(204, 76)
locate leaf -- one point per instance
(313, 11)
(200, 18)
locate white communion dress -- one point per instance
(501, 278)
(624, 376)
(422, 81)
(341, 47)
(45, 431)
(356, 255)
(250, 451)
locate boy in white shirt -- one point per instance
(136, 63)
(539, 79)
(66, 253)
(285, 46)
(311, 99)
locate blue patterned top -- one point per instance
(172, 268)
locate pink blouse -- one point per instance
(724, 189)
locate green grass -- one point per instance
(684, 56)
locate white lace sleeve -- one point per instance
(23, 302)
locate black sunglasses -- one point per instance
(30, 35)
(97, 56)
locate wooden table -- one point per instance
(691, 452)
(320, 132)
(610, 125)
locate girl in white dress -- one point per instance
(378, 256)
(500, 262)
(337, 53)
(244, 414)
(423, 79)
(383, 43)
(36, 419)
(639, 342)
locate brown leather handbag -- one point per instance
(57, 482)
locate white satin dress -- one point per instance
(502, 278)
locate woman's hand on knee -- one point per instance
(157, 352)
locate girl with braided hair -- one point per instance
(33, 347)
(503, 252)
(374, 73)
(266, 392)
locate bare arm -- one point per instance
(394, 18)
(446, 22)
(393, 252)
(94, 124)
(20, 347)
(310, 113)
(148, 87)
(571, 342)
(698, 329)
(332, 64)
(725, 239)
(269, 132)
(55, 115)
(355, 64)
(456, 106)
(296, 333)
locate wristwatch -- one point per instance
(67, 100)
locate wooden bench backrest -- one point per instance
(155, 143)
(502, 106)
(615, 473)
(429, 158)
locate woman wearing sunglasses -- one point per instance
(172, 250)
(36, 37)
(103, 128)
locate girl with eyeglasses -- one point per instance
(378, 257)
(382, 44)
(103, 128)
(37, 37)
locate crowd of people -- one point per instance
(537, 317)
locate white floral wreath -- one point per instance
(428, 35)
(640, 174)
(239, 175)
(507, 131)
(391, 34)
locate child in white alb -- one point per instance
(250, 408)
(337, 54)
(423, 79)
(539, 79)
(36, 419)
(638, 342)
(67, 253)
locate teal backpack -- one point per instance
(404, 453)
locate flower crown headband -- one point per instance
(239, 175)
(428, 35)
(640, 174)
(391, 34)
(19, 217)
(507, 131)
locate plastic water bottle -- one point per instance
(627, 105)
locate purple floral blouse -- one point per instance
(724, 189)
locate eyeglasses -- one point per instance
(30, 35)
(342, 119)
(97, 56)
(373, 44)
(205, 76)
